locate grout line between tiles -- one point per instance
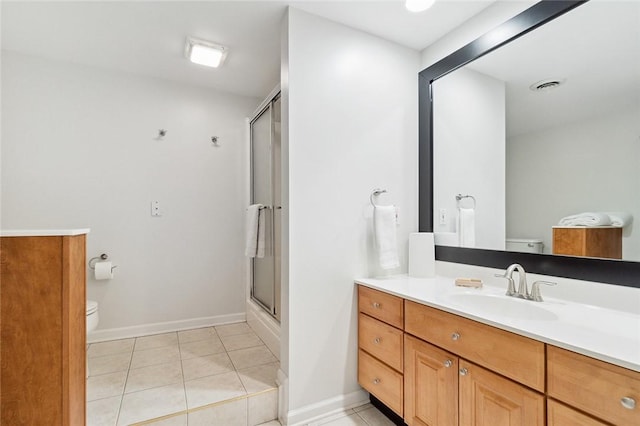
(124, 388)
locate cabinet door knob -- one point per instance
(375, 305)
(455, 336)
(448, 363)
(376, 381)
(628, 403)
(377, 340)
(463, 371)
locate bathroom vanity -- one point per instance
(437, 354)
(42, 325)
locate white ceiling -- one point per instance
(147, 37)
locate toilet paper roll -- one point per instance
(103, 270)
(421, 255)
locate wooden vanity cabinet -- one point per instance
(43, 330)
(380, 346)
(445, 388)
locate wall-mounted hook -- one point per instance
(161, 133)
(214, 140)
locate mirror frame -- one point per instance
(619, 272)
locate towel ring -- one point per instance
(375, 193)
(459, 197)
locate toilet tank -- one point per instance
(524, 245)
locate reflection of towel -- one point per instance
(620, 219)
(467, 227)
(586, 219)
(384, 227)
(255, 225)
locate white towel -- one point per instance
(586, 219)
(255, 227)
(620, 219)
(467, 227)
(384, 227)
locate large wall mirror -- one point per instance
(534, 124)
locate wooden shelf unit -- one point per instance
(588, 241)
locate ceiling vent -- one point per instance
(546, 85)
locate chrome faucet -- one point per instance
(523, 291)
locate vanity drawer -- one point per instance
(380, 380)
(561, 415)
(594, 386)
(509, 354)
(381, 340)
(382, 306)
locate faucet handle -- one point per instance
(511, 287)
(535, 290)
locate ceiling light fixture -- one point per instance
(418, 5)
(205, 52)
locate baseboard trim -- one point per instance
(265, 326)
(163, 327)
(313, 414)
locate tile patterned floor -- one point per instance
(221, 375)
(365, 415)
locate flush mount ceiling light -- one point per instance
(205, 52)
(418, 5)
(545, 85)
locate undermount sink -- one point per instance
(507, 306)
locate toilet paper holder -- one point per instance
(103, 256)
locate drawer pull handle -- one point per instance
(448, 363)
(628, 403)
(375, 305)
(455, 336)
(463, 371)
(376, 381)
(377, 340)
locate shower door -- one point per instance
(265, 190)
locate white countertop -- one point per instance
(605, 334)
(42, 232)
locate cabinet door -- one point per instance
(431, 385)
(487, 399)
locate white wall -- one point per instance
(80, 150)
(351, 108)
(590, 165)
(469, 153)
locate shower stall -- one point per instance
(266, 186)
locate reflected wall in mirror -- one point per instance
(533, 157)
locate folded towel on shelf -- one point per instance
(586, 219)
(620, 219)
(384, 227)
(467, 227)
(255, 227)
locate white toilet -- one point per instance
(92, 315)
(92, 322)
(524, 245)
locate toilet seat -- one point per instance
(92, 307)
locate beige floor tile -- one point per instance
(209, 365)
(241, 341)
(110, 348)
(250, 357)
(263, 407)
(109, 363)
(155, 356)
(211, 345)
(196, 334)
(271, 423)
(230, 329)
(232, 413)
(259, 378)
(152, 403)
(103, 412)
(156, 341)
(154, 376)
(106, 385)
(350, 420)
(373, 417)
(179, 420)
(208, 390)
(362, 407)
